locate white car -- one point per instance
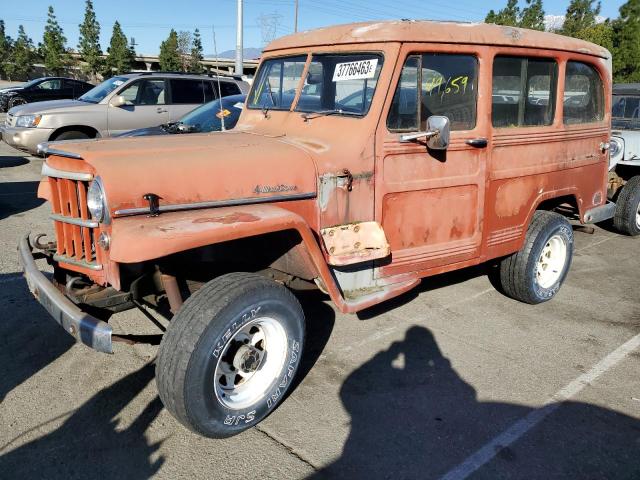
(624, 158)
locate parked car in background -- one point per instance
(624, 158)
(42, 89)
(117, 105)
(209, 117)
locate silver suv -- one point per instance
(117, 105)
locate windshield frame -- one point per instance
(301, 81)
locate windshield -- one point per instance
(208, 117)
(97, 93)
(625, 111)
(30, 83)
(341, 84)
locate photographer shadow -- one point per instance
(413, 416)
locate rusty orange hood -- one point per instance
(189, 169)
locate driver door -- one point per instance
(430, 202)
(146, 107)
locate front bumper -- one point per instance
(83, 327)
(26, 139)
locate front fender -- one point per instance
(141, 238)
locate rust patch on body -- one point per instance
(229, 218)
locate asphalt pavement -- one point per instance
(452, 380)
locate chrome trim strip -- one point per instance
(77, 263)
(217, 203)
(46, 151)
(48, 171)
(74, 221)
(83, 327)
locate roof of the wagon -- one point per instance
(435, 32)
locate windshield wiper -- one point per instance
(324, 113)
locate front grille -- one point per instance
(75, 230)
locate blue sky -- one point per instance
(149, 21)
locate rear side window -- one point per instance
(228, 88)
(583, 94)
(210, 91)
(435, 84)
(524, 92)
(186, 91)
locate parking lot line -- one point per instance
(486, 453)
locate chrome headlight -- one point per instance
(615, 146)
(28, 121)
(96, 201)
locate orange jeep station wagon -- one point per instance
(368, 156)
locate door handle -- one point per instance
(477, 142)
(161, 110)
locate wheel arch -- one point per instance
(91, 131)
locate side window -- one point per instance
(145, 92)
(524, 92)
(583, 94)
(228, 88)
(50, 85)
(186, 91)
(210, 91)
(435, 84)
(403, 115)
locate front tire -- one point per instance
(15, 101)
(72, 135)
(230, 354)
(627, 217)
(535, 273)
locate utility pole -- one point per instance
(295, 23)
(239, 29)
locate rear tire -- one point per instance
(230, 354)
(627, 217)
(535, 273)
(72, 135)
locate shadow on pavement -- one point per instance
(412, 416)
(18, 197)
(12, 161)
(90, 443)
(29, 339)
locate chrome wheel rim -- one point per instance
(638, 217)
(551, 262)
(250, 361)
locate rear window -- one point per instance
(186, 91)
(228, 88)
(583, 94)
(524, 92)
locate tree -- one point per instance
(508, 16)
(195, 60)
(120, 56)
(5, 49)
(89, 42)
(184, 49)
(626, 48)
(52, 49)
(532, 16)
(581, 15)
(169, 55)
(22, 57)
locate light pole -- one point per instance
(295, 23)
(239, 28)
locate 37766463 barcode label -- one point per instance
(355, 70)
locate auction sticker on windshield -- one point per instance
(359, 70)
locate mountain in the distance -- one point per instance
(249, 53)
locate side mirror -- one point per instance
(440, 125)
(437, 134)
(119, 101)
